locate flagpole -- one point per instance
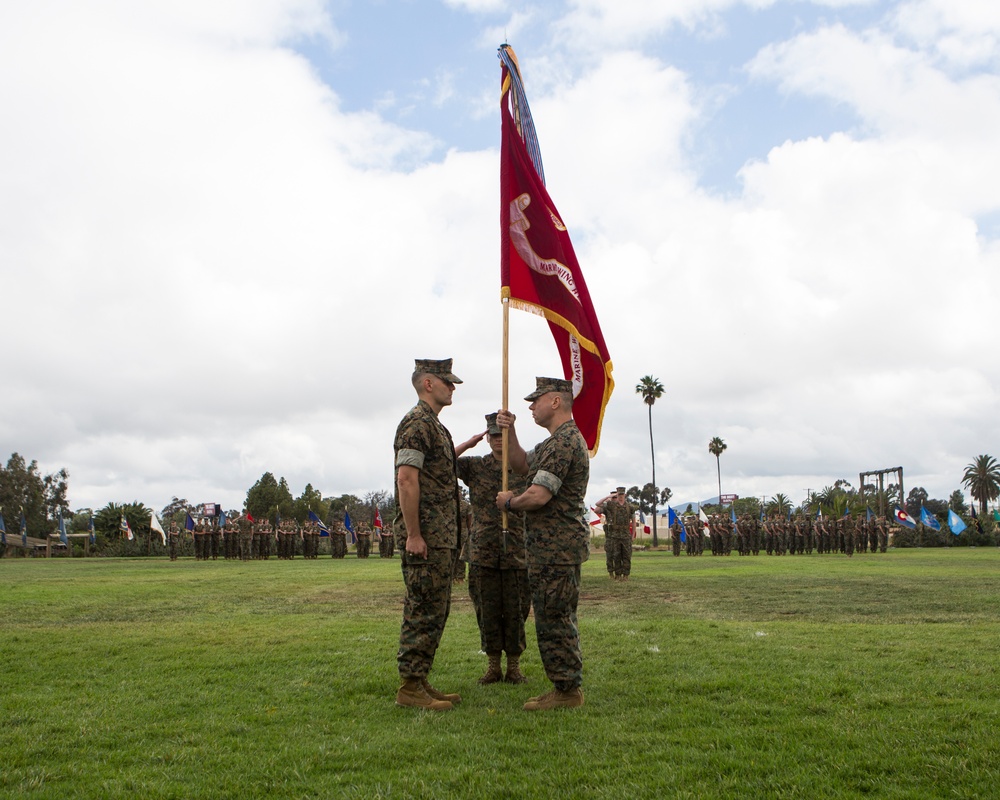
(505, 456)
(505, 302)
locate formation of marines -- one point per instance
(244, 539)
(799, 535)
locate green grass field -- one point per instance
(791, 677)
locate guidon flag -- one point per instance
(538, 267)
(926, 518)
(955, 522)
(156, 527)
(902, 518)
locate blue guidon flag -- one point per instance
(927, 519)
(323, 530)
(902, 518)
(955, 522)
(672, 517)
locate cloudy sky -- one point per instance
(228, 228)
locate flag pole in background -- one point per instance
(539, 271)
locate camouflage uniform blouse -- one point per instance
(616, 519)
(488, 547)
(423, 442)
(556, 532)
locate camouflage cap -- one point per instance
(441, 369)
(621, 490)
(546, 385)
(491, 425)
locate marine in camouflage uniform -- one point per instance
(310, 541)
(338, 540)
(426, 530)
(229, 540)
(883, 534)
(364, 547)
(556, 535)
(213, 541)
(618, 516)
(384, 543)
(173, 538)
(498, 569)
(260, 533)
(200, 542)
(245, 538)
(284, 541)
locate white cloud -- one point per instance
(596, 24)
(477, 6)
(964, 33)
(949, 125)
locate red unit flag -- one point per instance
(538, 270)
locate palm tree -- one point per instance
(715, 447)
(651, 390)
(982, 477)
(779, 505)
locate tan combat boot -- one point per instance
(514, 674)
(454, 699)
(493, 673)
(413, 695)
(556, 699)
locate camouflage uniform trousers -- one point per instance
(555, 592)
(425, 610)
(213, 545)
(246, 546)
(502, 599)
(364, 546)
(618, 553)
